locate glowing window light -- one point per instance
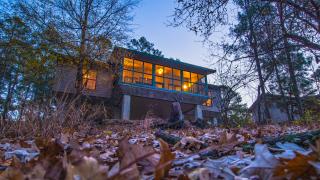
(185, 86)
(160, 71)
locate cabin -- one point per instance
(282, 109)
(135, 82)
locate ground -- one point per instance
(130, 151)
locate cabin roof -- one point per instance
(163, 61)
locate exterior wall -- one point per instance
(65, 80)
(212, 113)
(277, 114)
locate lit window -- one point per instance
(168, 72)
(185, 87)
(159, 82)
(127, 76)
(128, 64)
(194, 77)
(168, 83)
(186, 76)
(177, 85)
(147, 79)
(138, 66)
(89, 79)
(159, 70)
(147, 68)
(137, 77)
(137, 72)
(208, 103)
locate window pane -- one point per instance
(138, 65)
(176, 74)
(159, 82)
(186, 76)
(127, 76)
(177, 85)
(147, 68)
(194, 77)
(159, 70)
(128, 64)
(137, 77)
(147, 79)
(168, 84)
(167, 72)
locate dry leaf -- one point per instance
(200, 174)
(165, 162)
(11, 174)
(298, 167)
(263, 164)
(87, 169)
(226, 138)
(130, 154)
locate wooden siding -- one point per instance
(65, 80)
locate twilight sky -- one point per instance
(151, 19)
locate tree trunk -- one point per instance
(254, 46)
(7, 102)
(289, 60)
(83, 49)
(282, 93)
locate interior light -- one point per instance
(160, 71)
(185, 86)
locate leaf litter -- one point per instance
(119, 152)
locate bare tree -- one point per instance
(82, 30)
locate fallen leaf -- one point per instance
(227, 138)
(86, 169)
(298, 167)
(263, 164)
(129, 155)
(165, 162)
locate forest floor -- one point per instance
(129, 151)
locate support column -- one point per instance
(126, 105)
(198, 113)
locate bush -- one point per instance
(53, 118)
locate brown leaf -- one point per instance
(200, 174)
(165, 162)
(11, 174)
(298, 167)
(226, 138)
(88, 168)
(129, 155)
